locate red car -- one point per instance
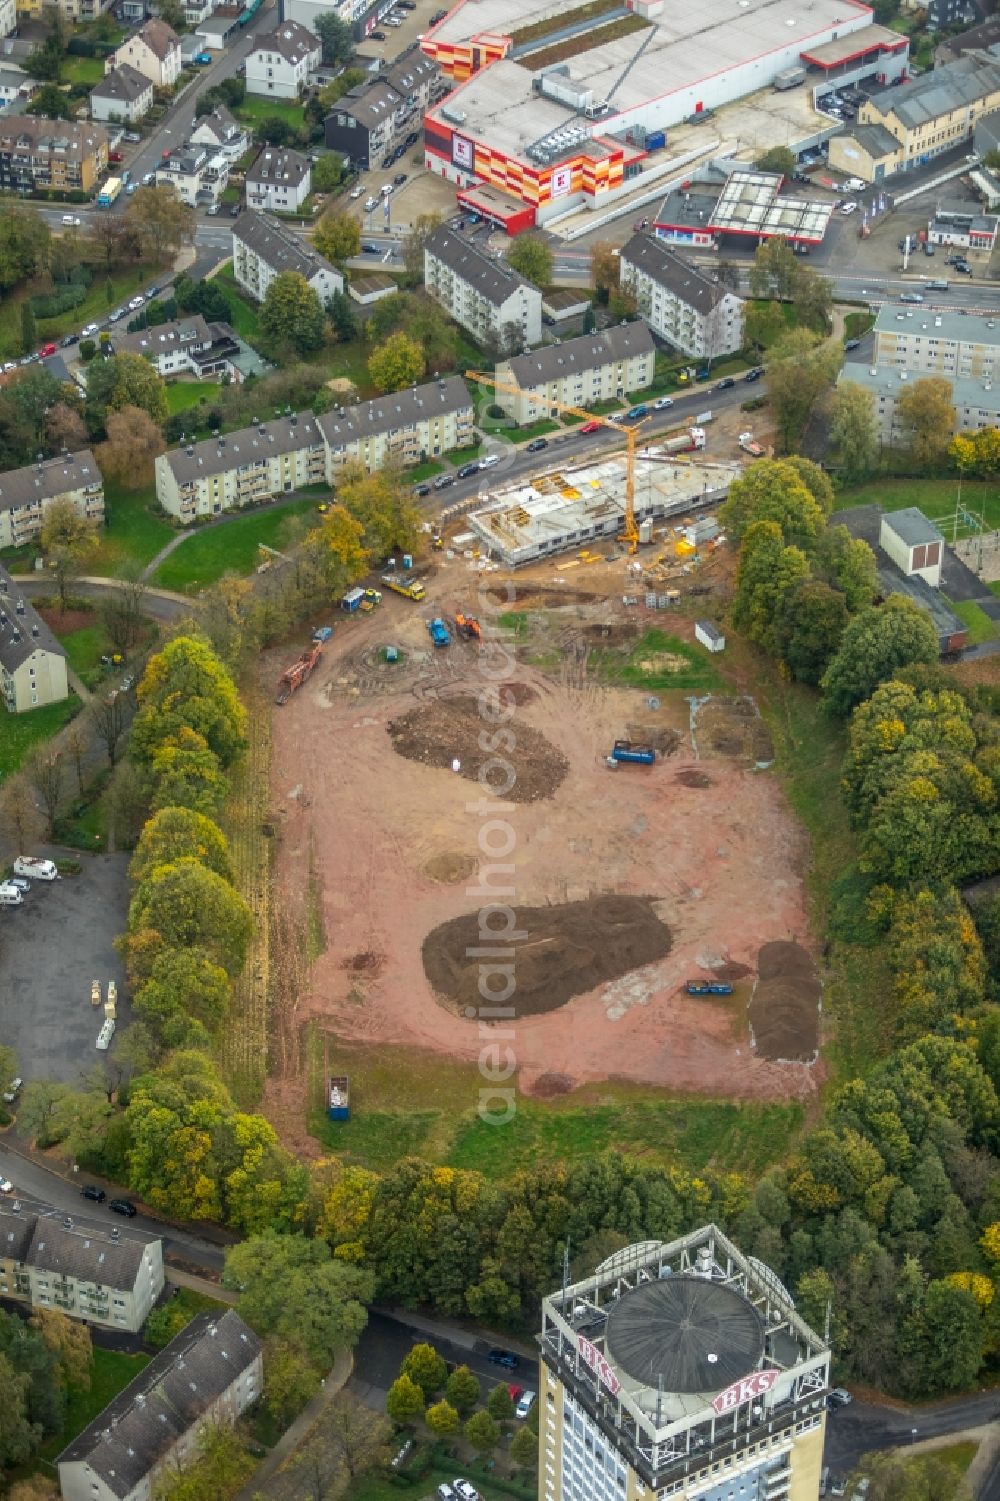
(115, 156)
(46, 350)
(591, 427)
(516, 1392)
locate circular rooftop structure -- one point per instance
(686, 1333)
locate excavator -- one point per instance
(468, 627)
(293, 677)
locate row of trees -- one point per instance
(41, 1362)
(424, 1376)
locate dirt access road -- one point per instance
(397, 845)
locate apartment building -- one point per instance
(688, 308)
(8, 17)
(198, 175)
(254, 464)
(209, 1374)
(123, 96)
(484, 295)
(26, 494)
(406, 427)
(39, 153)
(282, 62)
(279, 180)
(932, 342)
(933, 112)
(188, 346)
(108, 1277)
(976, 402)
(32, 668)
(219, 131)
(375, 116)
(154, 50)
(680, 1369)
(577, 372)
(263, 249)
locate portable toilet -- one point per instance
(392, 654)
(407, 560)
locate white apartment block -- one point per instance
(209, 1374)
(485, 296)
(198, 175)
(279, 180)
(405, 427)
(26, 494)
(254, 464)
(8, 17)
(282, 62)
(976, 402)
(263, 249)
(32, 667)
(932, 342)
(124, 95)
(153, 50)
(219, 131)
(107, 1277)
(188, 346)
(577, 372)
(685, 307)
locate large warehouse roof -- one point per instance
(751, 204)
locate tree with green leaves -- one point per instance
(24, 243)
(327, 173)
(291, 1286)
(189, 906)
(763, 323)
(854, 430)
(183, 985)
(768, 571)
(175, 834)
(292, 313)
(414, 242)
(19, 1437)
(426, 1367)
(524, 1449)
(185, 685)
(336, 38)
(846, 563)
(382, 502)
(337, 237)
(290, 1379)
(221, 1464)
(125, 380)
(482, 1432)
(341, 315)
(52, 102)
(396, 364)
(926, 408)
(937, 962)
(775, 270)
(500, 1403)
(942, 1343)
(69, 1342)
(809, 622)
(875, 644)
(463, 1389)
(186, 773)
(28, 334)
(777, 159)
(405, 1401)
(69, 540)
(772, 490)
(801, 367)
(442, 1419)
(161, 221)
(531, 257)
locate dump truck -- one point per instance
(629, 750)
(708, 987)
(749, 446)
(439, 632)
(339, 1098)
(410, 588)
(293, 677)
(468, 627)
(685, 442)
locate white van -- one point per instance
(386, 189)
(35, 869)
(489, 460)
(10, 896)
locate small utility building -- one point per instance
(914, 544)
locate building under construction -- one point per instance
(572, 507)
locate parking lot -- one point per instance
(51, 948)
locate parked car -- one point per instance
(525, 1405)
(849, 208)
(123, 1206)
(136, 303)
(725, 384)
(12, 1091)
(213, 209)
(506, 1358)
(115, 156)
(72, 219)
(356, 191)
(662, 403)
(46, 350)
(19, 882)
(840, 1397)
(93, 1192)
(928, 248)
(147, 178)
(69, 340)
(369, 249)
(203, 59)
(323, 633)
(132, 135)
(466, 1490)
(852, 343)
(467, 470)
(89, 330)
(754, 374)
(443, 481)
(537, 445)
(399, 179)
(591, 427)
(377, 36)
(6, 1186)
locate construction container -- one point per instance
(339, 1098)
(646, 531)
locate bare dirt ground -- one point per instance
(400, 847)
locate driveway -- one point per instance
(51, 947)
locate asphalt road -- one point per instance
(389, 1338)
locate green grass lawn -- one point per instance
(206, 555)
(84, 649)
(242, 311)
(659, 660)
(376, 1486)
(125, 283)
(110, 1371)
(462, 456)
(532, 430)
(85, 825)
(182, 394)
(856, 325)
(256, 108)
(981, 627)
(88, 70)
(133, 534)
(19, 732)
(935, 497)
(427, 470)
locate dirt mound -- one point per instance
(517, 693)
(692, 778)
(441, 732)
(733, 728)
(547, 1086)
(450, 867)
(611, 632)
(543, 599)
(661, 737)
(365, 963)
(784, 1010)
(731, 971)
(564, 951)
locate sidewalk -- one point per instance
(199, 1284)
(295, 1436)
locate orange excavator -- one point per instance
(468, 627)
(293, 677)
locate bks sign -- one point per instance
(593, 1357)
(754, 1385)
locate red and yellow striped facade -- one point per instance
(584, 173)
(461, 59)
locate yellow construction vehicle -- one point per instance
(630, 433)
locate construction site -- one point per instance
(556, 740)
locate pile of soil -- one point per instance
(784, 1010)
(367, 963)
(612, 632)
(537, 595)
(691, 777)
(732, 727)
(518, 694)
(441, 732)
(661, 737)
(568, 950)
(450, 867)
(547, 1086)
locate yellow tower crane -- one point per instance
(630, 433)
